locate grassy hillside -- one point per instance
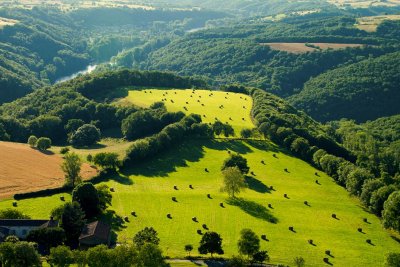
(227, 107)
(362, 91)
(148, 190)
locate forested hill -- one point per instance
(237, 53)
(45, 44)
(362, 91)
(39, 48)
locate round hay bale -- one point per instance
(334, 216)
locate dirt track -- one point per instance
(23, 169)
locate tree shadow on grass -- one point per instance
(116, 222)
(232, 145)
(189, 151)
(167, 162)
(112, 176)
(254, 209)
(257, 185)
(265, 146)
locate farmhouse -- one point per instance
(94, 234)
(22, 227)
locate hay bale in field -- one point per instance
(176, 187)
(169, 216)
(199, 232)
(209, 196)
(174, 199)
(133, 214)
(334, 216)
(291, 228)
(126, 219)
(194, 219)
(205, 226)
(270, 206)
(328, 252)
(191, 186)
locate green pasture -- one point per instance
(148, 190)
(227, 107)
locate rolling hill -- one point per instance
(147, 189)
(362, 91)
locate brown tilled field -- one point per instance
(298, 48)
(23, 169)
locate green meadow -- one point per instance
(227, 107)
(147, 189)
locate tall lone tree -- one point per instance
(249, 243)
(72, 166)
(233, 181)
(72, 221)
(87, 197)
(211, 242)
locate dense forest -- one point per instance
(362, 91)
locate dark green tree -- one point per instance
(391, 212)
(107, 160)
(86, 135)
(12, 214)
(147, 235)
(61, 256)
(72, 221)
(87, 197)
(211, 242)
(47, 238)
(249, 243)
(236, 160)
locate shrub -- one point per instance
(32, 141)
(43, 143)
(64, 150)
(86, 135)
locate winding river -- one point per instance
(89, 69)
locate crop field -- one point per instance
(364, 3)
(7, 22)
(25, 169)
(68, 5)
(229, 108)
(298, 48)
(370, 24)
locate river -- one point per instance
(89, 69)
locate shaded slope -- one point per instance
(362, 91)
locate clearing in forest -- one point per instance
(371, 23)
(226, 107)
(7, 22)
(298, 48)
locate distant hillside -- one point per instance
(362, 91)
(236, 54)
(37, 50)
